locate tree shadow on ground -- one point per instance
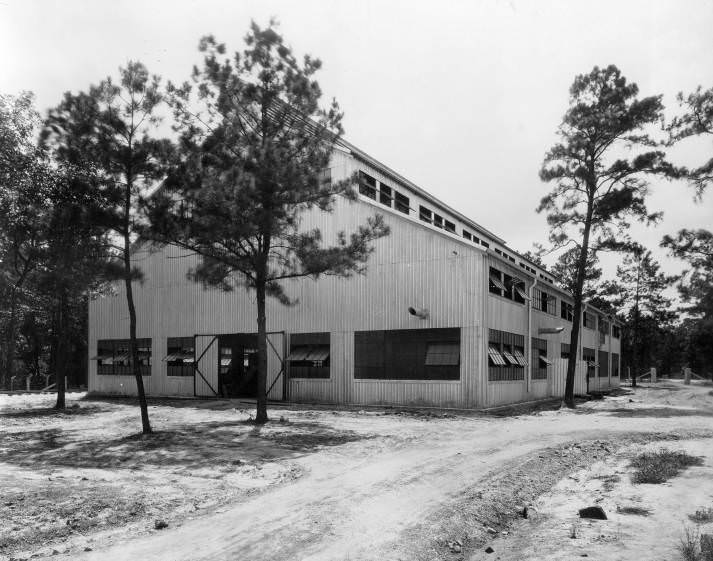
(659, 412)
(70, 411)
(188, 446)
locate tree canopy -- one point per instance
(696, 121)
(254, 155)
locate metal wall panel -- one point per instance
(414, 266)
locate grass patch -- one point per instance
(637, 510)
(702, 516)
(695, 546)
(660, 466)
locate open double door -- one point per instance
(226, 365)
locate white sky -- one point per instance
(461, 97)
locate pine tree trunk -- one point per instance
(577, 311)
(61, 370)
(133, 349)
(261, 414)
(9, 358)
(635, 334)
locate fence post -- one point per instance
(687, 376)
(28, 383)
(653, 375)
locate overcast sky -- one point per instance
(462, 98)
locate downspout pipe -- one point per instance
(529, 335)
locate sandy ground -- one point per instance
(555, 532)
(328, 485)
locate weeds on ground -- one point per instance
(689, 548)
(658, 467)
(695, 546)
(702, 515)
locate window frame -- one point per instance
(501, 367)
(367, 185)
(401, 203)
(399, 355)
(425, 214)
(386, 194)
(305, 368)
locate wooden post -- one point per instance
(27, 380)
(687, 376)
(653, 375)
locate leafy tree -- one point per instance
(698, 120)
(76, 261)
(598, 187)
(23, 182)
(252, 161)
(639, 287)
(109, 130)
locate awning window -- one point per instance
(545, 361)
(299, 353)
(120, 358)
(226, 361)
(495, 279)
(443, 354)
(510, 358)
(495, 356)
(309, 353)
(182, 356)
(520, 291)
(519, 357)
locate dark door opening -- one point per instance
(237, 368)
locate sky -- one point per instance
(461, 97)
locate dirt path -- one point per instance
(356, 500)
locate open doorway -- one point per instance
(238, 364)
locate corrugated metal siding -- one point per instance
(416, 265)
(412, 267)
(506, 315)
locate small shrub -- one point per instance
(657, 467)
(702, 516)
(706, 547)
(695, 546)
(689, 547)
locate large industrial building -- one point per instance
(447, 315)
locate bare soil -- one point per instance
(336, 484)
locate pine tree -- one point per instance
(696, 121)
(640, 286)
(252, 158)
(596, 188)
(109, 130)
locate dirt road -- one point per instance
(359, 500)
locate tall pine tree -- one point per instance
(111, 129)
(598, 186)
(254, 147)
